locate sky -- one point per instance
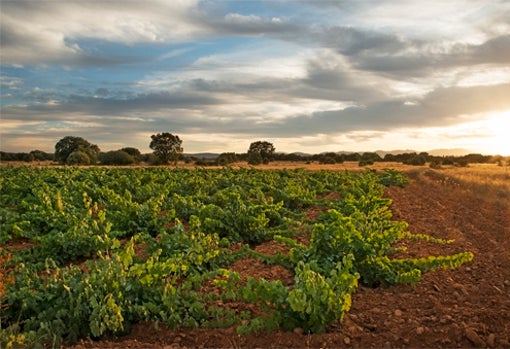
(306, 75)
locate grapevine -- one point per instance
(112, 247)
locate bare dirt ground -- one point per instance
(466, 307)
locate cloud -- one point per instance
(441, 107)
(22, 44)
(291, 70)
(103, 106)
(252, 24)
(329, 76)
(239, 24)
(400, 57)
(351, 41)
(10, 82)
(495, 50)
(179, 112)
(251, 78)
(50, 31)
(405, 39)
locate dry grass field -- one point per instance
(485, 179)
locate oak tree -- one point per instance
(76, 150)
(167, 147)
(260, 152)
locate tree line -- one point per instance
(167, 148)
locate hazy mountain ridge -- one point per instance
(381, 153)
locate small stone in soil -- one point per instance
(491, 340)
(474, 337)
(298, 331)
(504, 343)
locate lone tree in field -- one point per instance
(166, 147)
(76, 151)
(260, 152)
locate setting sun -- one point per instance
(498, 125)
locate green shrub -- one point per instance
(78, 158)
(116, 157)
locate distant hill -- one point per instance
(451, 152)
(382, 153)
(298, 153)
(202, 155)
(434, 152)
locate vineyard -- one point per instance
(91, 252)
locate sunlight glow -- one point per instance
(498, 124)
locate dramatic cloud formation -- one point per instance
(309, 76)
